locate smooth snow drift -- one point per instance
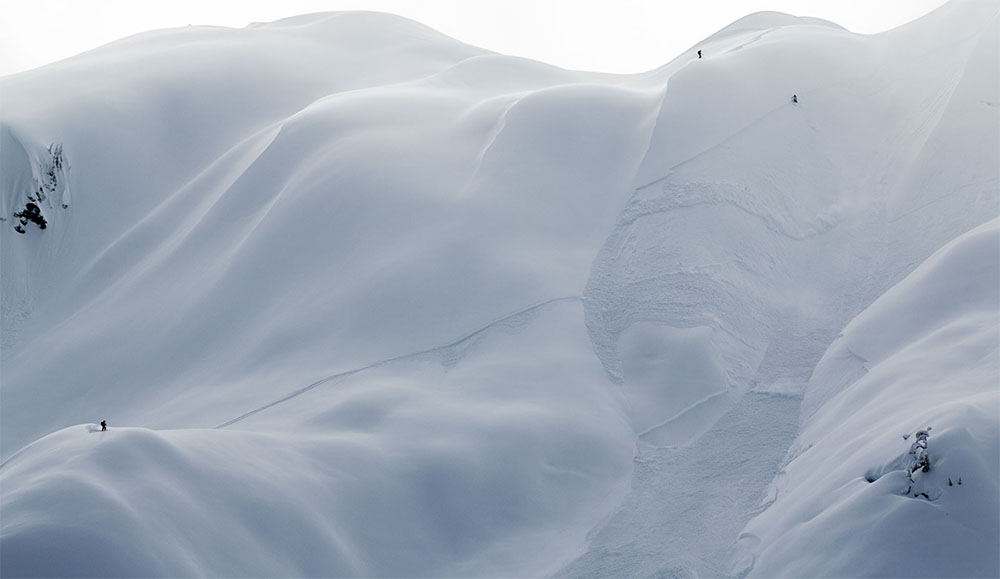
(357, 299)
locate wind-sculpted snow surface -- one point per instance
(370, 282)
(320, 244)
(418, 467)
(927, 353)
(360, 300)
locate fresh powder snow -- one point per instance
(357, 299)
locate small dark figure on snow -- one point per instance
(104, 425)
(795, 98)
(699, 54)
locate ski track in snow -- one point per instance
(450, 354)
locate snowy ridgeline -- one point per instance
(357, 299)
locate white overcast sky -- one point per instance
(621, 36)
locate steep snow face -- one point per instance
(358, 299)
(759, 228)
(928, 355)
(770, 224)
(148, 118)
(375, 273)
(320, 240)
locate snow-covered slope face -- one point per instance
(358, 299)
(927, 352)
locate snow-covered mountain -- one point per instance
(358, 299)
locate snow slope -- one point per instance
(358, 299)
(927, 354)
